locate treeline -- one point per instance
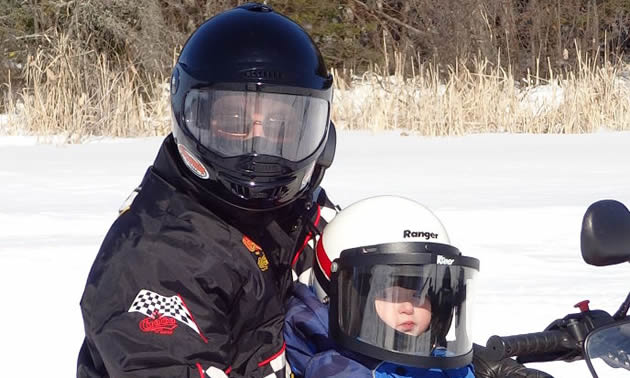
(101, 67)
(517, 34)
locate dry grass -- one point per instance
(486, 100)
(78, 94)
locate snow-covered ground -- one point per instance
(514, 201)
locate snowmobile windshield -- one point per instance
(608, 350)
(401, 311)
(236, 123)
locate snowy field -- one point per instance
(514, 201)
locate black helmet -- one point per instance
(251, 103)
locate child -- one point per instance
(399, 296)
(399, 307)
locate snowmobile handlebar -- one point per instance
(561, 340)
(605, 240)
(528, 344)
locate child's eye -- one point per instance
(419, 299)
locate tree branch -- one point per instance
(392, 19)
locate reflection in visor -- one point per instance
(234, 123)
(412, 309)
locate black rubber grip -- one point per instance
(499, 347)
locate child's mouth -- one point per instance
(406, 326)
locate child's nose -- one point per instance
(405, 307)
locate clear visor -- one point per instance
(235, 123)
(419, 310)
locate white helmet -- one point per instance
(398, 290)
(375, 220)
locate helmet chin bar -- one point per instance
(257, 194)
(282, 190)
(418, 361)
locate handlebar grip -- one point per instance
(527, 344)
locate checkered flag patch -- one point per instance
(148, 302)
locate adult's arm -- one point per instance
(151, 309)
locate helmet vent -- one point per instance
(268, 168)
(262, 74)
(240, 190)
(277, 192)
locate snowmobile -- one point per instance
(601, 339)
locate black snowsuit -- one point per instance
(185, 286)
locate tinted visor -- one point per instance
(416, 310)
(235, 123)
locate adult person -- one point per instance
(400, 297)
(191, 279)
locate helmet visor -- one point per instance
(416, 310)
(236, 123)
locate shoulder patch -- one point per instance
(250, 245)
(163, 313)
(263, 263)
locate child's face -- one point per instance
(402, 310)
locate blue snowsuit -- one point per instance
(312, 353)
